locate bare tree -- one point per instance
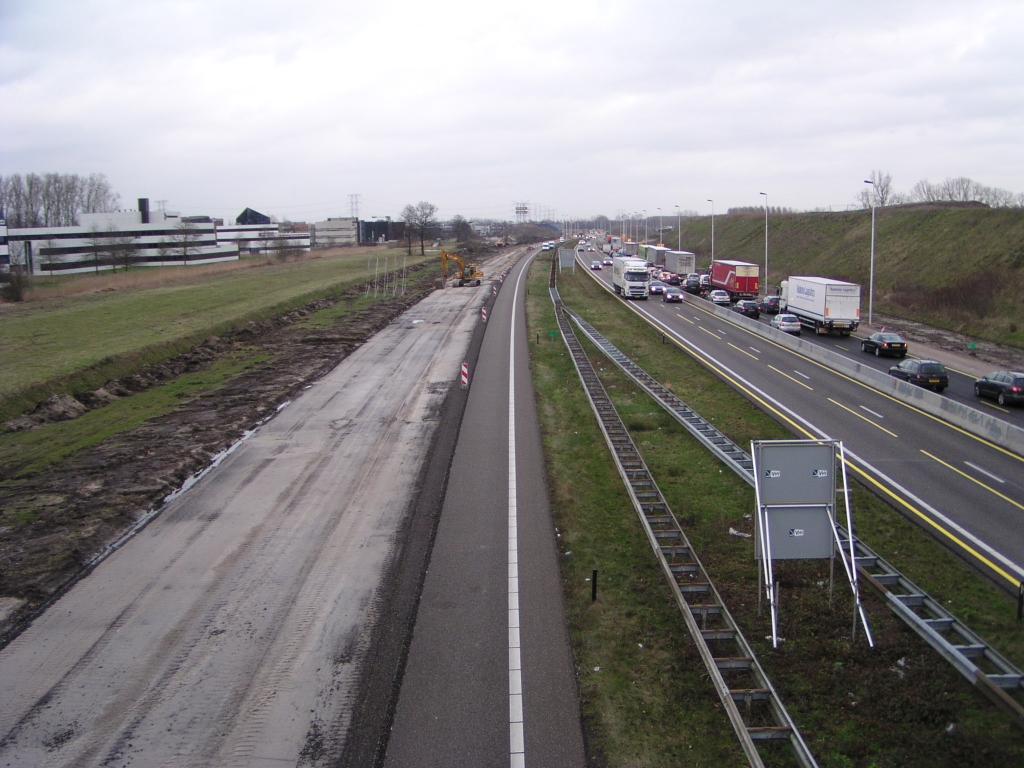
(409, 218)
(122, 249)
(462, 229)
(186, 241)
(879, 192)
(99, 244)
(425, 220)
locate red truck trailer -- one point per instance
(738, 278)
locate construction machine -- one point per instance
(467, 274)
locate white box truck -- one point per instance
(681, 262)
(823, 304)
(629, 277)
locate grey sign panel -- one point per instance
(796, 473)
(566, 258)
(797, 533)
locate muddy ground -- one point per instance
(998, 355)
(89, 501)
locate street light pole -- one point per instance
(766, 282)
(645, 226)
(712, 229)
(679, 227)
(871, 278)
(660, 223)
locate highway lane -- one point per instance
(961, 383)
(964, 489)
(231, 630)
(489, 679)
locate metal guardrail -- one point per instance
(969, 654)
(724, 650)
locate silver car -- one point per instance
(787, 323)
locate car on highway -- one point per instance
(1005, 386)
(595, 265)
(884, 343)
(720, 297)
(656, 286)
(672, 279)
(930, 374)
(786, 322)
(672, 294)
(607, 261)
(692, 285)
(705, 281)
(770, 305)
(747, 308)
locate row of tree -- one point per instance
(54, 199)
(959, 189)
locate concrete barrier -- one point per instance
(969, 419)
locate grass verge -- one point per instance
(77, 343)
(898, 705)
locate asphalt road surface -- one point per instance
(965, 490)
(489, 678)
(230, 630)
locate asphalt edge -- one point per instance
(390, 637)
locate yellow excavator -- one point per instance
(467, 274)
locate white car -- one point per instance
(720, 297)
(787, 323)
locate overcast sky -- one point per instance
(580, 108)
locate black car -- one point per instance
(930, 374)
(656, 286)
(672, 294)
(1005, 386)
(748, 308)
(692, 285)
(884, 343)
(673, 280)
(770, 305)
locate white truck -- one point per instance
(629, 277)
(823, 304)
(681, 262)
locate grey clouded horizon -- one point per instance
(581, 108)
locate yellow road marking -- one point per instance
(742, 350)
(992, 405)
(687, 320)
(869, 421)
(1013, 580)
(795, 381)
(973, 480)
(709, 332)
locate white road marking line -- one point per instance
(873, 413)
(517, 739)
(798, 373)
(755, 349)
(975, 467)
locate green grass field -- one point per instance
(81, 341)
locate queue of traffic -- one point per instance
(823, 305)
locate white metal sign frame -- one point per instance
(801, 498)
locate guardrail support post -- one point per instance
(593, 586)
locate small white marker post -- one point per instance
(465, 376)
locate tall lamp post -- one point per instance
(645, 226)
(871, 278)
(679, 227)
(712, 229)
(661, 221)
(766, 284)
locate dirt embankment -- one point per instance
(81, 505)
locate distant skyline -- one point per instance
(580, 108)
